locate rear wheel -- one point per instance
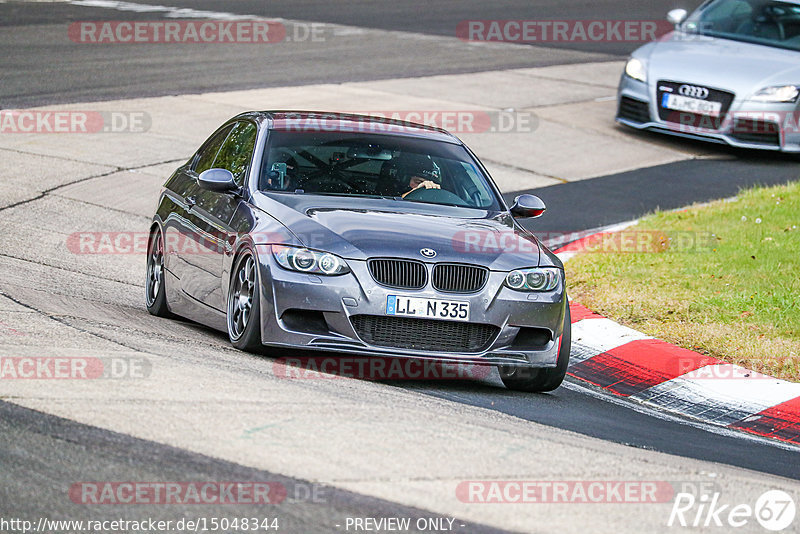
(155, 292)
(243, 311)
(533, 379)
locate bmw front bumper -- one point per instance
(307, 311)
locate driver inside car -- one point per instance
(421, 173)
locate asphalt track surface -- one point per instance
(41, 455)
(607, 200)
(35, 482)
(42, 66)
(442, 17)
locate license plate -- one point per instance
(693, 105)
(453, 310)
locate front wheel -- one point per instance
(155, 292)
(244, 311)
(533, 379)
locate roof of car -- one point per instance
(309, 121)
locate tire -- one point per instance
(154, 285)
(533, 379)
(243, 307)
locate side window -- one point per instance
(209, 151)
(474, 188)
(237, 151)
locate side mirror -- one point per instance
(528, 206)
(676, 16)
(219, 180)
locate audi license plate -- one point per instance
(693, 105)
(453, 310)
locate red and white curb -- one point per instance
(662, 376)
(657, 374)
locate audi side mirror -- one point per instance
(528, 206)
(219, 180)
(676, 17)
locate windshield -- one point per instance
(379, 166)
(757, 21)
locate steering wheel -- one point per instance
(441, 196)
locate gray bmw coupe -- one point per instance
(729, 73)
(358, 235)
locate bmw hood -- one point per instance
(358, 229)
(739, 67)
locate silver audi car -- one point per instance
(729, 73)
(354, 234)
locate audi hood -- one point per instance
(740, 67)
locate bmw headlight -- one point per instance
(635, 68)
(535, 279)
(777, 93)
(309, 261)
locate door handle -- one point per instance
(191, 201)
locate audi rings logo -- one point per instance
(693, 91)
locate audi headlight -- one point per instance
(309, 261)
(777, 93)
(635, 68)
(536, 279)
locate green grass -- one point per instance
(722, 279)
